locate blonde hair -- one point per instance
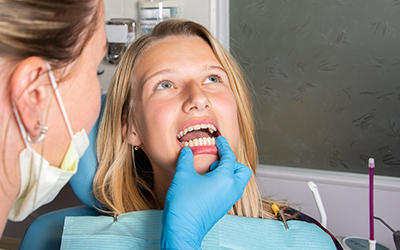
(124, 184)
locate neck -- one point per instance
(6, 205)
(10, 147)
(162, 181)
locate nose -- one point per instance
(196, 98)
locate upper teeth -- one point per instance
(211, 128)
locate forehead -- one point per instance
(182, 45)
(179, 51)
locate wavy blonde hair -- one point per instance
(123, 181)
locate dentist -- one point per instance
(50, 100)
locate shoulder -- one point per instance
(297, 215)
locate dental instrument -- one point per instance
(314, 189)
(396, 234)
(280, 214)
(372, 241)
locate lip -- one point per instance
(213, 150)
(197, 122)
(199, 149)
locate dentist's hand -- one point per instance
(194, 203)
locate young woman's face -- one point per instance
(182, 97)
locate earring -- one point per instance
(43, 131)
(37, 126)
(136, 148)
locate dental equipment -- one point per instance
(280, 214)
(396, 234)
(314, 189)
(120, 32)
(372, 241)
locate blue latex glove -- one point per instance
(194, 202)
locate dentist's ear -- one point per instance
(31, 91)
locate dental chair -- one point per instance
(46, 231)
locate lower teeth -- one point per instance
(205, 141)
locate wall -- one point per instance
(344, 195)
(325, 92)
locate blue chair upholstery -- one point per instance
(46, 231)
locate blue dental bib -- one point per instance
(142, 230)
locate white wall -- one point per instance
(196, 10)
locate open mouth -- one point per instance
(198, 135)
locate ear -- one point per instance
(31, 91)
(131, 135)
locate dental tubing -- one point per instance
(372, 241)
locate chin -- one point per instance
(202, 162)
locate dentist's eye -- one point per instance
(213, 79)
(164, 85)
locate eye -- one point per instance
(164, 85)
(213, 79)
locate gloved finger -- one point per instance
(185, 160)
(242, 174)
(214, 165)
(226, 155)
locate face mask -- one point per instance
(41, 182)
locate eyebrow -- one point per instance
(158, 73)
(212, 67)
(169, 71)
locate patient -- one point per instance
(174, 88)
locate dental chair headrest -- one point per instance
(82, 182)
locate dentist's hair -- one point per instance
(123, 182)
(54, 30)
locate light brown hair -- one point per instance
(54, 30)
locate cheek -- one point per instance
(234, 134)
(154, 132)
(154, 120)
(81, 99)
(229, 113)
(90, 102)
(226, 105)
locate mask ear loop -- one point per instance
(64, 113)
(60, 102)
(21, 127)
